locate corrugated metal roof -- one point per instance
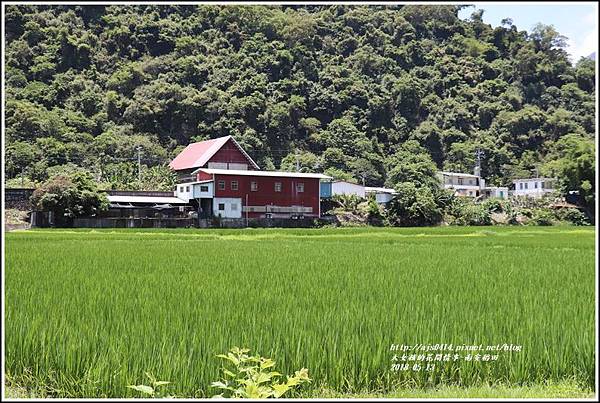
(379, 190)
(194, 182)
(212, 171)
(458, 174)
(532, 179)
(145, 199)
(198, 154)
(350, 183)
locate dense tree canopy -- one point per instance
(381, 94)
(73, 195)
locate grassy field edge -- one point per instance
(563, 389)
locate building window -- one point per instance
(234, 207)
(460, 181)
(181, 189)
(501, 194)
(542, 185)
(526, 185)
(203, 188)
(253, 186)
(221, 206)
(278, 186)
(300, 187)
(470, 181)
(520, 185)
(535, 185)
(221, 185)
(187, 188)
(234, 185)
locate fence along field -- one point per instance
(88, 312)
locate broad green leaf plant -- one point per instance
(253, 377)
(155, 390)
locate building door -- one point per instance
(205, 208)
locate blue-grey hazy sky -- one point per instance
(578, 21)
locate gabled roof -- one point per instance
(197, 154)
(212, 171)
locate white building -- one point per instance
(382, 195)
(462, 184)
(500, 192)
(347, 188)
(533, 187)
(470, 185)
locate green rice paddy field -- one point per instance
(88, 312)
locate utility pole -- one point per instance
(478, 155)
(139, 155)
(246, 209)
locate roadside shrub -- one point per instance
(375, 216)
(541, 217)
(74, 195)
(493, 205)
(464, 211)
(347, 202)
(474, 214)
(414, 207)
(573, 216)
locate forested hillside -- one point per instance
(380, 94)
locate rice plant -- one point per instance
(88, 313)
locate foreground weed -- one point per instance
(252, 378)
(156, 390)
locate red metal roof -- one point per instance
(196, 155)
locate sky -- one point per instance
(576, 21)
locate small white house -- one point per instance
(463, 184)
(382, 195)
(533, 187)
(194, 190)
(347, 188)
(500, 192)
(470, 185)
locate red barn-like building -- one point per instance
(219, 153)
(220, 179)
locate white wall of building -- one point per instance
(227, 207)
(184, 191)
(204, 190)
(462, 184)
(226, 165)
(500, 192)
(535, 187)
(194, 190)
(347, 188)
(383, 198)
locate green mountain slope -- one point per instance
(350, 90)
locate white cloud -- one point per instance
(583, 46)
